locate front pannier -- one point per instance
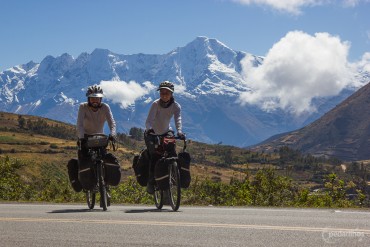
(184, 167)
(141, 165)
(72, 167)
(161, 174)
(86, 174)
(112, 170)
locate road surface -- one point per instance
(122, 225)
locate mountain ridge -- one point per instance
(208, 81)
(342, 132)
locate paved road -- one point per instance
(74, 225)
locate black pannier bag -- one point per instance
(184, 167)
(151, 141)
(86, 174)
(161, 175)
(72, 167)
(141, 164)
(112, 170)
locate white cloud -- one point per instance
(354, 3)
(297, 69)
(124, 93)
(364, 64)
(295, 6)
(290, 6)
(350, 3)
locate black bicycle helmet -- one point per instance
(167, 85)
(94, 91)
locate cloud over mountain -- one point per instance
(297, 69)
(125, 93)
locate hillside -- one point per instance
(34, 152)
(216, 162)
(38, 147)
(343, 132)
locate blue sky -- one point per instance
(31, 30)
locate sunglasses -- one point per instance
(164, 92)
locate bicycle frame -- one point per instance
(97, 149)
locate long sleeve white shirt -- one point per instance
(90, 122)
(159, 118)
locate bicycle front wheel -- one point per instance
(174, 191)
(90, 199)
(103, 197)
(102, 191)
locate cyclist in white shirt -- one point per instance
(158, 122)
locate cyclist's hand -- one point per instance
(149, 131)
(181, 135)
(112, 138)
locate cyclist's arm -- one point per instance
(177, 117)
(149, 123)
(80, 122)
(111, 121)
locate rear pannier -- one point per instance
(141, 164)
(112, 170)
(184, 167)
(161, 175)
(72, 167)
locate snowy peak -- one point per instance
(207, 45)
(55, 67)
(210, 50)
(202, 59)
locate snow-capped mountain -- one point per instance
(208, 81)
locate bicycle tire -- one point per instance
(90, 199)
(174, 191)
(158, 198)
(102, 190)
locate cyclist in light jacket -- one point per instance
(158, 122)
(92, 116)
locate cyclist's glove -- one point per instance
(149, 131)
(112, 138)
(181, 135)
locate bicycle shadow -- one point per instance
(149, 210)
(68, 211)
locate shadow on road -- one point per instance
(67, 211)
(135, 211)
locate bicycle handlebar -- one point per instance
(110, 140)
(175, 137)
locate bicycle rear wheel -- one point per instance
(174, 192)
(90, 199)
(158, 198)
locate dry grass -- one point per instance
(37, 150)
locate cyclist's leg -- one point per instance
(151, 181)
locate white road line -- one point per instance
(188, 224)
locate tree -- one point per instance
(137, 133)
(21, 122)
